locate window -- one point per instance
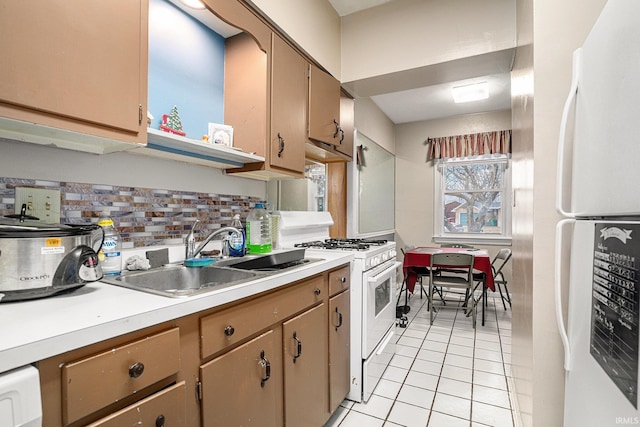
(472, 199)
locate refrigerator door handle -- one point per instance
(573, 91)
(558, 292)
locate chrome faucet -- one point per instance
(191, 251)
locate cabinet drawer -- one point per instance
(234, 324)
(94, 382)
(166, 407)
(339, 280)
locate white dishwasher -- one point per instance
(20, 403)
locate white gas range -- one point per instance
(373, 287)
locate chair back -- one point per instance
(502, 257)
(406, 249)
(453, 263)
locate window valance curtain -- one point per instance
(496, 142)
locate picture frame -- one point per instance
(220, 134)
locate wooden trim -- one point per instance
(337, 198)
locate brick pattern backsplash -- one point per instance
(143, 216)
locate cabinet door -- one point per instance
(324, 107)
(339, 330)
(241, 387)
(347, 124)
(75, 66)
(305, 368)
(288, 107)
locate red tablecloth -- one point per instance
(421, 257)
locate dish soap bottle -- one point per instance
(236, 240)
(109, 256)
(259, 230)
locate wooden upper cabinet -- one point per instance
(324, 107)
(347, 123)
(288, 107)
(245, 93)
(72, 66)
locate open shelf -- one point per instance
(167, 145)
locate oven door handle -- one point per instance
(388, 271)
(383, 344)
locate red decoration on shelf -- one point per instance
(171, 122)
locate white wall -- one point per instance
(414, 175)
(313, 24)
(407, 34)
(372, 122)
(24, 160)
(549, 31)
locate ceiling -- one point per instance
(415, 95)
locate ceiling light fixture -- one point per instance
(194, 4)
(471, 92)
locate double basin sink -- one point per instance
(178, 280)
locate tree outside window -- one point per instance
(472, 197)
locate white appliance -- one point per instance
(373, 287)
(20, 404)
(598, 172)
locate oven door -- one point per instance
(378, 309)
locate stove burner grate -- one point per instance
(344, 244)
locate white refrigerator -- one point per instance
(599, 196)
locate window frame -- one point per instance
(439, 236)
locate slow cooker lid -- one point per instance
(16, 228)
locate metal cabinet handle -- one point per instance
(160, 421)
(229, 330)
(317, 291)
(335, 134)
(264, 362)
(136, 369)
(298, 347)
(339, 319)
(281, 149)
(343, 279)
(341, 135)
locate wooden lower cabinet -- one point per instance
(242, 387)
(339, 351)
(165, 408)
(305, 357)
(278, 358)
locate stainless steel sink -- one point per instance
(177, 280)
(180, 281)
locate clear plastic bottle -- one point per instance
(275, 229)
(259, 230)
(109, 255)
(236, 240)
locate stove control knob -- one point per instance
(393, 253)
(375, 261)
(385, 256)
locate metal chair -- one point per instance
(458, 275)
(497, 264)
(421, 273)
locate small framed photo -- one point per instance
(221, 134)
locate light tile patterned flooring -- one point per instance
(443, 374)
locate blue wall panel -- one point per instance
(186, 69)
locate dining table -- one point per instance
(417, 259)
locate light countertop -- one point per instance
(39, 329)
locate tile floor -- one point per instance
(443, 374)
